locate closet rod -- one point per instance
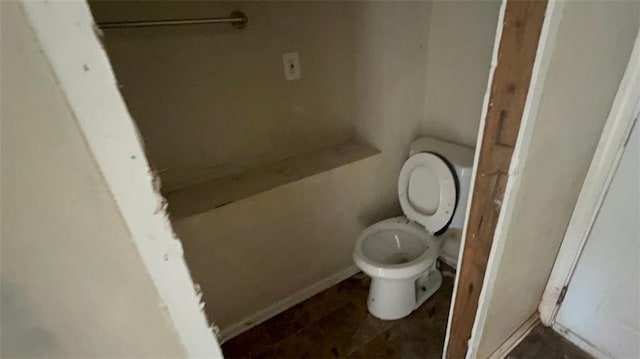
(237, 19)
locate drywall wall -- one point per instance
(73, 284)
(365, 65)
(212, 100)
(267, 248)
(605, 160)
(601, 304)
(461, 38)
(592, 48)
(420, 78)
(391, 58)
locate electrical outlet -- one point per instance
(291, 61)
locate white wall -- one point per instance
(73, 283)
(273, 246)
(591, 52)
(391, 64)
(420, 78)
(212, 100)
(601, 306)
(461, 37)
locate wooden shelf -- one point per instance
(222, 191)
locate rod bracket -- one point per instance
(239, 24)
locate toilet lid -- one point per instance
(427, 191)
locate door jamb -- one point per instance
(615, 134)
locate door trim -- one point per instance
(616, 131)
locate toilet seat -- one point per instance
(427, 191)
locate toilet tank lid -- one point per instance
(458, 155)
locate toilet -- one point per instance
(399, 254)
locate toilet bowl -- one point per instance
(400, 258)
(399, 254)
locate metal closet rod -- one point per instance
(237, 19)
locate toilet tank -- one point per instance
(461, 158)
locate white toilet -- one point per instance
(399, 254)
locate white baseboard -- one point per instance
(279, 307)
(449, 260)
(579, 341)
(516, 338)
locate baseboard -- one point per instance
(280, 306)
(579, 341)
(451, 247)
(449, 260)
(516, 338)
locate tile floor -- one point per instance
(544, 343)
(336, 324)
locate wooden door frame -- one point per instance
(615, 134)
(524, 41)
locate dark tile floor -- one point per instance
(336, 323)
(544, 343)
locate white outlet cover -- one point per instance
(291, 62)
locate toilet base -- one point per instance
(391, 299)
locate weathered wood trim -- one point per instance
(521, 29)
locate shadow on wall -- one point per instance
(28, 336)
